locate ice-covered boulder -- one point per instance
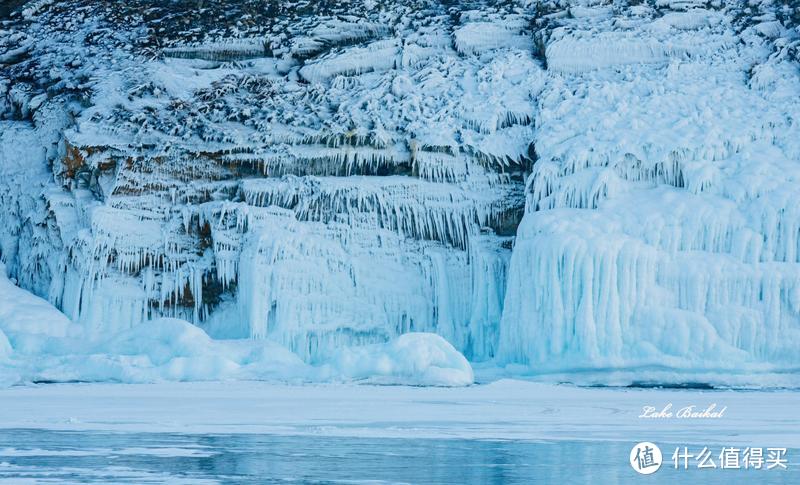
(160, 340)
(481, 36)
(414, 358)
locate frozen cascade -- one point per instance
(328, 175)
(661, 226)
(317, 178)
(315, 262)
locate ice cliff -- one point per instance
(562, 185)
(662, 224)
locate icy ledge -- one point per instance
(39, 344)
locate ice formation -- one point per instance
(412, 358)
(338, 174)
(38, 343)
(661, 223)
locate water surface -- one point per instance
(68, 456)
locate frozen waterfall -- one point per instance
(557, 185)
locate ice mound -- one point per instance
(220, 51)
(174, 349)
(413, 358)
(22, 312)
(8, 376)
(46, 347)
(691, 20)
(579, 55)
(161, 340)
(378, 56)
(581, 46)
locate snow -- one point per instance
(506, 409)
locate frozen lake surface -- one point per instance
(70, 456)
(505, 409)
(503, 432)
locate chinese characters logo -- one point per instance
(732, 458)
(645, 458)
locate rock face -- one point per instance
(320, 176)
(335, 173)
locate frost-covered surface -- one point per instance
(322, 177)
(506, 409)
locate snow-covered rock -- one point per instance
(341, 183)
